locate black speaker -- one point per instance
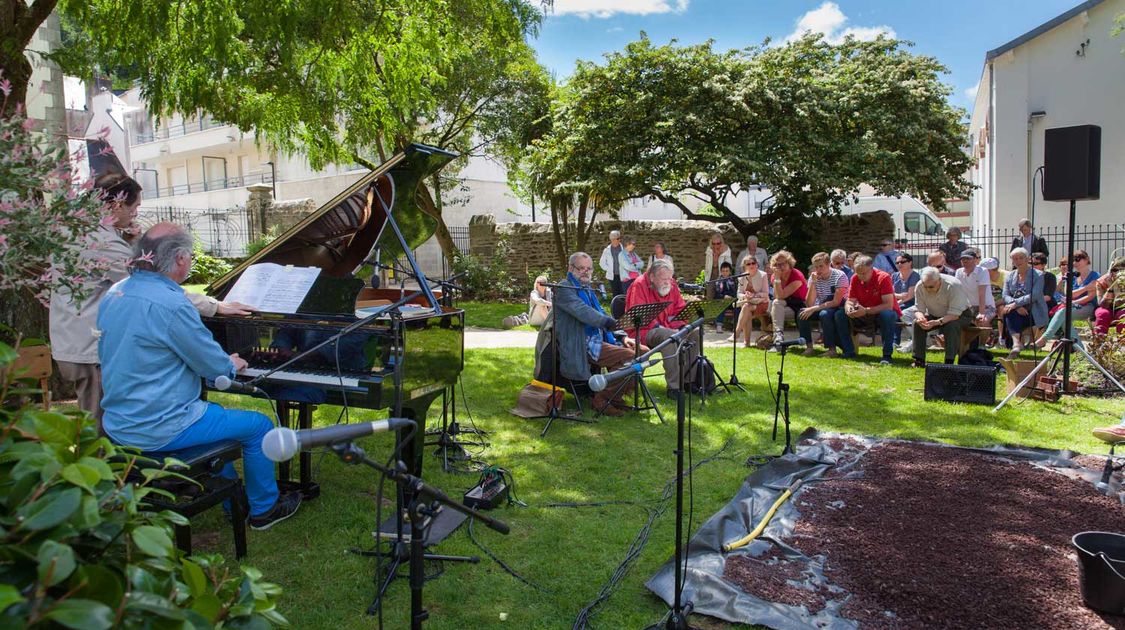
(961, 383)
(1072, 163)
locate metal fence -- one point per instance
(1103, 242)
(221, 232)
(460, 235)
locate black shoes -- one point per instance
(285, 507)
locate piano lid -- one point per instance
(342, 233)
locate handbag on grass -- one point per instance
(535, 399)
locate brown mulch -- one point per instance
(939, 537)
(776, 579)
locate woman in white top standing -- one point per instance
(753, 295)
(660, 252)
(978, 285)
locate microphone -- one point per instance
(598, 382)
(731, 277)
(224, 383)
(281, 444)
(799, 341)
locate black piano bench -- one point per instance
(203, 464)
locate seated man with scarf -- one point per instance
(656, 285)
(583, 337)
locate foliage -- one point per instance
(1109, 351)
(260, 243)
(810, 120)
(80, 552)
(492, 278)
(41, 208)
(206, 268)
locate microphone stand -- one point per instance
(424, 501)
(782, 393)
(678, 618)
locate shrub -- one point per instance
(492, 278)
(258, 244)
(77, 549)
(205, 267)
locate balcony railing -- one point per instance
(209, 185)
(174, 131)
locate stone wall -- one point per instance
(533, 246)
(266, 214)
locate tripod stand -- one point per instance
(781, 403)
(451, 448)
(424, 501)
(708, 310)
(639, 316)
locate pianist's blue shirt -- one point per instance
(153, 349)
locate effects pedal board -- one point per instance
(491, 491)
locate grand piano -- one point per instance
(402, 348)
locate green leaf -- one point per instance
(82, 476)
(98, 583)
(194, 578)
(41, 463)
(8, 593)
(82, 614)
(7, 354)
(50, 509)
(104, 471)
(208, 605)
(55, 428)
(56, 562)
(153, 603)
(153, 540)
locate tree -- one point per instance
(18, 22)
(810, 120)
(341, 81)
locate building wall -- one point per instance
(1048, 74)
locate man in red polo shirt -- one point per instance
(871, 303)
(656, 285)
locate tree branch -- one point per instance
(27, 23)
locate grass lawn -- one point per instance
(572, 552)
(492, 314)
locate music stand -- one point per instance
(708, 310)
(637, 317)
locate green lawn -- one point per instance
(573, 552)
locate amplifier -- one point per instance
(961, 383)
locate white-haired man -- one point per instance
(752, 249)
(154, 349)
(839, 260)
(656, 285)
(942, 305)
(610, 262)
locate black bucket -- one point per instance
(1101, 570)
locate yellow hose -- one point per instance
(742, 542)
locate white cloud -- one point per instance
(605, 8)
(830, 21)
(614, 29)
(971, 93)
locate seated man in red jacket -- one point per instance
(656, 285)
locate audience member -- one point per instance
(872, 305)
(789, 291)
(977, 287)
(1110, 309)
(936, 259)
(941, 305)
(755, 298)
(1082, 294)
(1028, 240)
(713, 259)
(885, 260)
(539, 304)
(1050, 281)
(953, 247)
(839, 259)
(758, 253)
(828, 288)
(631, 264)
(904, 281)
(1024, 305)
(726, 287)
(610, 263)
(660, 252)
(656, 285)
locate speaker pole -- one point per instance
(1068, 340)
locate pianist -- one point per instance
(654, 286)
(154, 349)
(583, 335)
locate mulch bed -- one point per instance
(940, 537)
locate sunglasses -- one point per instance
(901, 262)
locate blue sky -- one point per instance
(957, 32)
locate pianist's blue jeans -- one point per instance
(248, 427)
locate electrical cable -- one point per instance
(503, 565)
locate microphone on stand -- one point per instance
(598, 382)
(282, 444)
(799, 341)
(224, 383)
(730, 277)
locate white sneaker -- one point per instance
(719, 328)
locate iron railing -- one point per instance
(174, 131)
(1103, 242)
(222, 183)
(221, 232)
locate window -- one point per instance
(912, 221)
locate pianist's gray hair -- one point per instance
(158, 253)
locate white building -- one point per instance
(1069, 71)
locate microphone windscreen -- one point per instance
(597, 382)
(280, 444)
(222, 383)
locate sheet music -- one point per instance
(273, 288)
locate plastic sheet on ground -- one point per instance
(817, 454)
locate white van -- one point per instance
(916, 224)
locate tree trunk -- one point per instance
(441, 231)
(17, 69)
(560, 242)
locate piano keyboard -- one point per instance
(319, 377)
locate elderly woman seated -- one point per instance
(1024, 303)
(539, 303)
